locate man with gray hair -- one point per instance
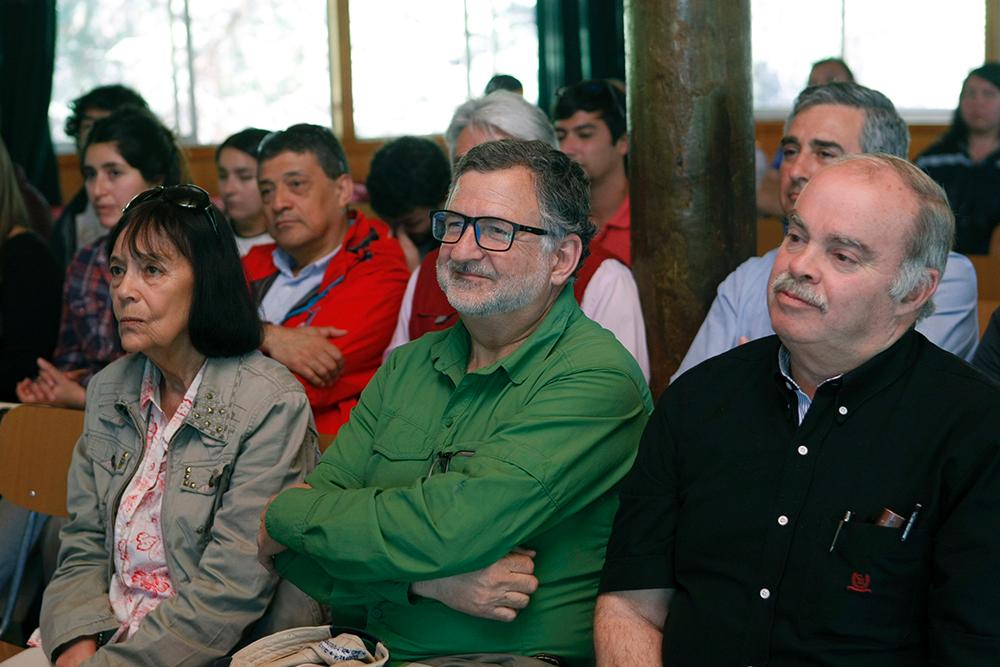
(828, 122)
(604, 286)
(499, 115)
(476, 479)
(829, 495)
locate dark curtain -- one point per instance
(578, 39)
(27, 57)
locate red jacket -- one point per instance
(360, 292)
(431, 311)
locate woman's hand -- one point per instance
(53, 386)
(77, 652)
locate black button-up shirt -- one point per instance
(736, 506)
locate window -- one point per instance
(208, 69)
(917, 52)
(413, 63)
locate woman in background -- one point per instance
(125, 153)
(30, 286)
(236, 162)
(966, 161)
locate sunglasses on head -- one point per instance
(187, 196)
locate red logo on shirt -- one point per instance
(860, 583)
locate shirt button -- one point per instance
(842, 410)
(782, 520)
(803, 450)
(764, 594)
(448, 421)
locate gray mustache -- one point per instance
(784, 282)
(471, 267)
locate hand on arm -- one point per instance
(306, 351)
(267, 546)
(628, 627)
(54, 387)
(495, 592)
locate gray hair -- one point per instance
(502, 115)
(884, 130)
(561, 186)
(933, 225)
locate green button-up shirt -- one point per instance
(441, 472)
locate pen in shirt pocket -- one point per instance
(911, 522)
(840, 526)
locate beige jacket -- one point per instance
(249, 434)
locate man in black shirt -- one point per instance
(829, 495)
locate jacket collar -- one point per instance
(213, 412)
(355, 248)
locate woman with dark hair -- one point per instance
(77, 224)
(236, 162)
(185, 439)
(966, 161)
(125, 154)
(30, 285)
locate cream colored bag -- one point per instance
(312, 646)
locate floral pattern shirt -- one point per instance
(141, 579)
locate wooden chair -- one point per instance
(770, 233)
(9, 650)
(986, 308)
(36, 445)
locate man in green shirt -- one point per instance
(467, 503)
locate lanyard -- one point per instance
(309, 305)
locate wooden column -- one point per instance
(691, 162)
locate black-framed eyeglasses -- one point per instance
(491, 233)
(186, 195)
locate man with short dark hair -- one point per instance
(407, 179)
(330, 273)
(475, 481)
(830, 70)
(504, 82)
(591, 125)
(828, 122)
(827, 496)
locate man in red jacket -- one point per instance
(331, 273)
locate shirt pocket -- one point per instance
(401, 452)
(110, 462)
(871, 586)
(195, 495)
